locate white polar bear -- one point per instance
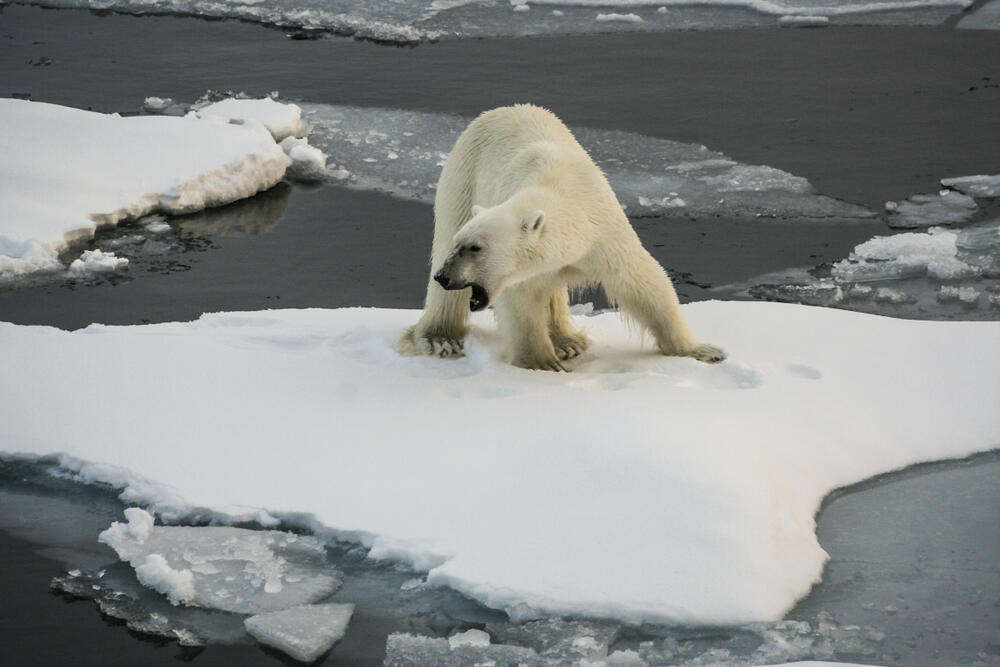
(522, 214)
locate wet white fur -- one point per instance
(518, 185)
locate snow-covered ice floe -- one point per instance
(938, 273)
(640, 487)
(64, 172)
(305, 632)
(408, 22)
(401, 152)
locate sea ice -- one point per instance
(305, 632)
(469, 638)
(932, 273)
(652, 177)
(233, 569)
(629, 18)
(308, 162)
(945, 208)
(981, 186)
(314, 412)
(281, 120)
(561, 639)
(409, 22)
(64, 172)
(802, 21)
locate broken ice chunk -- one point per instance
(966, 294)
(281, 120)
(305, 632)
(945, 208)
(469, 638)
(97, 261)
(409, 650)
(561, 639)
(233, 569)
(980, 186)
(308, 162)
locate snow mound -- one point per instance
(402, 152)
(938, 273)
(308, 162)
(64, 172)
(305, 632)
(679, 492)
(233, 569)
(945, 208)
(281, 120)
(981, 186)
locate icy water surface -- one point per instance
(932, 528)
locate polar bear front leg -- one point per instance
(522, 314)
(568, 342)
(442, 327)
(644, 291)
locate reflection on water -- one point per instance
(247, 217)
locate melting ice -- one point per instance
(402, 152)
(401, 21)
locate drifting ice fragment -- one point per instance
(628, 18)
(233, 569)
(792, 21)
(560, 639)
(469, 638)
(308, 162)
(305, 632)
(944, 208)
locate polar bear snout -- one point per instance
(444, 280)
(479, 298)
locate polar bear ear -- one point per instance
(477, 209)
(533, 221)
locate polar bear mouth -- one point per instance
(479, 299)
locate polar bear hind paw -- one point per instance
(709, 354)
(541, 364)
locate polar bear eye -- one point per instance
(474, 248)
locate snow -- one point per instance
(233, 569)
(678, 492)
(982, 186)
(305, 632)
(651, 176)
(986, 17)
(281, 120)
(97, 261)
(945, 208)
(64, 172)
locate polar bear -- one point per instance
(522, 214)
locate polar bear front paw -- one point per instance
(709, 354)
(569, 346)
(441, 346)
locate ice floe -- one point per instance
(97, 261)
(64, 172)
(679, 492)
(408, 22)
(938, 273)
(305, 632)
(401, 152)
(986, 17)
(981, 186)
(233, 569)
(281, 120)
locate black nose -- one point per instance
(442, 279)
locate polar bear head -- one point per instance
(497, 247)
